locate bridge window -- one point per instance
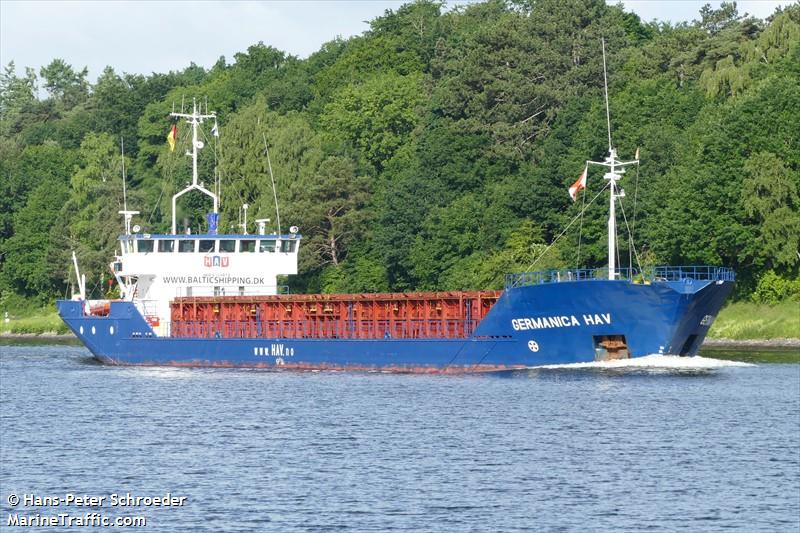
(288, 246)
(186, 245)
(267, 246)
(144, 245)
(166, 246)
(247, 246)
(227, 246)
(206, 245)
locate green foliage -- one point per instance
(32, 248)
(29, 316)
(715, 20)
(400, 43)
(376, 116)
(90, 214)
(770, 198)
(295, 153)
(330, 208)
(48, 323)
(66, 86)
(433, 151)
(16, 95)
(524, 250)
(772, 289)
(360, 274)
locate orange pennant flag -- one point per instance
(578, 185)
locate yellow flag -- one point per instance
(172, 136)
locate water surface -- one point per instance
(570, 449)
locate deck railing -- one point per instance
(645, 275)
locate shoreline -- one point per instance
(780, 343)
(56, 338)
(752, 343)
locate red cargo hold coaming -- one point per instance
(327, 316)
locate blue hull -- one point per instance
(537, 324)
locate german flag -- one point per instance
(172, 137)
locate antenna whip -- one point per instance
(605, 87)
(124, 191)
(272, 177)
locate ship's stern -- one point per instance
(105, 335)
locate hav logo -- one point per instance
(216, 261)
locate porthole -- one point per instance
(110, 330)
(93, 330)
(81, 330)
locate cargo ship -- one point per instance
(211, 299)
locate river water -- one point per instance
(705, 446)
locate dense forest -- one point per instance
(434, 151)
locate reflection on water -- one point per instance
(757, 355)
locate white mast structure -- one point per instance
(127, 215)
(195, 119)
(615, 170)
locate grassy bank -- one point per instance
(25, 317)
(746, 321)
(43, 324)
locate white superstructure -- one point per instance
(152, 270)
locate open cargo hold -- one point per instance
(417, 315)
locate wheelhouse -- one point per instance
(208, 244)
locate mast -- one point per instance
(194, 118)
(612, 176)
(615, 170)
(127, 215)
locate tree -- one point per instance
(330, 206)
(524, 250)
(295, 152)
(90, 215)
(28, 266)
(23, 171)
(770, 198)
(715, 20)
(16, 94)
(64, 84)
(376, 116)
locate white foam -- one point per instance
(657, 361)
